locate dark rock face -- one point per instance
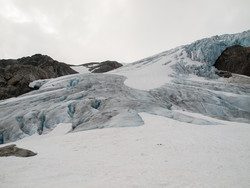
(235, 59)
(12, 150)
(15, 75)
(102, 66)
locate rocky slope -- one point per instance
(235, 59)
(15, 75)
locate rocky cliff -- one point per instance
(15, 75)
(235, 59)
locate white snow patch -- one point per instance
(80, 69)
(152, 72)
(61, 129)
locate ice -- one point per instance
(223, 101)
(208, 50)
(183, 68)
(91, 101)
(38, 83)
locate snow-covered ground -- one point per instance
(162, 153)
(150, 73)
(80, 69)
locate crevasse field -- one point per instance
(164, 121)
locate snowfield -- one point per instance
(80, 69)
(162, 153)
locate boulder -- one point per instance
(12, 150)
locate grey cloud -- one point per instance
(80, 31)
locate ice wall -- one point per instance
(209, 49)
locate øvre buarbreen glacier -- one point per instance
(179, 79)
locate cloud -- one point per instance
(80, 31)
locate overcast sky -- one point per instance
(81, 31)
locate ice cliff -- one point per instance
(209, 49)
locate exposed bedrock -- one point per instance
(235, 59)
(15, 75)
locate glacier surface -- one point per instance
(88, 101)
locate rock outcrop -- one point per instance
(15, 75)
(12, 150)
(235, 59)
(101, 67)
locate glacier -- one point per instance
(181, 79)
(88, 101)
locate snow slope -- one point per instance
(162, 153)
(80, 69)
